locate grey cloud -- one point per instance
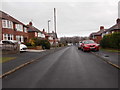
(73, 18)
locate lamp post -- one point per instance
(48, 25)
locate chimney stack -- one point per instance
(43, 30)
(118, 21)
(101, 27)
(30, 23)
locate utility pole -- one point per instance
(55, 20)
(48, 26)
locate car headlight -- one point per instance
(86, 46)
(97, 44)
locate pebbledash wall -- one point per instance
(12, 29)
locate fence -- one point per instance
(9, 48)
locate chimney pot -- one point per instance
(101, 27)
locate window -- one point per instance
(36, 34)
(25, 29)
(19, 27)
(20, 38)
(112, 31)
(4, 24)
(8, 37)
(7, 24)
(39, 34)
(50, 38)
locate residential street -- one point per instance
(66, 68)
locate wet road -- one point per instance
(67, 68)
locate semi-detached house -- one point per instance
(12, 29)
(97, 36)
(33, 32)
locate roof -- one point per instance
(98, 33)
(6, 16)
(114, 27)
(54, 35)
(33, 29)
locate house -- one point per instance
(54, 38)
(34, 32)
(51, 37)
(97, 36)
(114, 28)
(12, 29)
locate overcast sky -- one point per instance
(78, 18)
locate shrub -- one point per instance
(111, 41)
(28, 44)
(40, 42)
(45, 44)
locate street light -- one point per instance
(48, 25)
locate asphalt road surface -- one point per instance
(67, 68)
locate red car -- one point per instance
(88, 45)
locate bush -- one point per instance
(111, 41)
(45, 44)
(28, 44)
(40, 42)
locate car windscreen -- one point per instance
(88, 42)
(7, 42)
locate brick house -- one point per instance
(12, 29)
(54, 38)
(114, 28)
(34, 32)
(51, 37)
(97, 36)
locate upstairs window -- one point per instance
(19, 27)
(36, 34)
(25, 29)
(7, 24)
(39, 34)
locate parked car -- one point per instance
(13, 42)
(88, 45)
(23, 47)
(79, 44)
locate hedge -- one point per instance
(111, 41)
(39, 42)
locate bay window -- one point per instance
(7, 24)
(7, 37)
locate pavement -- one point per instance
(24, 57)
(111, 57)
(65, 68)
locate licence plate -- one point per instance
(92, 48)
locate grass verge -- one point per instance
(110, 50)
(6, 59)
